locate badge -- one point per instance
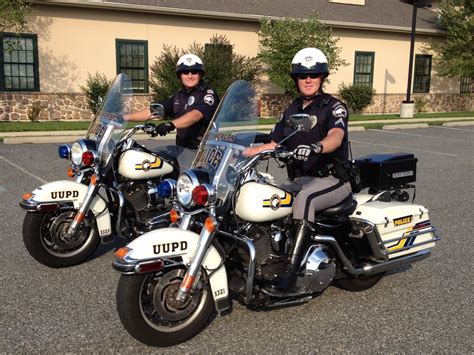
(209, 99)
(190, 100)
(275, 202)
(146, 165)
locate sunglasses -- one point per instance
(186, 72)
(311, 75)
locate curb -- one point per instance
(466, 123)
(405, 126)
(357, 126)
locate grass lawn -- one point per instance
(84, 125)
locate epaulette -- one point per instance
(325, 99)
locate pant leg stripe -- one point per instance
(319, 193)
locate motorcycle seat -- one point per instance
(343, 208)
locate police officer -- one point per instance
(315, 153)
(191, 107)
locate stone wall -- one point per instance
(52, 107)
(23, 106)
(273, 105)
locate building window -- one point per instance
(364, 68)
(421, 81)
(466, 85)
(19, 61)
(132, 59)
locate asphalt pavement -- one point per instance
(424, 308)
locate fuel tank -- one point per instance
(258, 202)
(138, 165)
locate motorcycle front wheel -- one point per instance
(44, 236)
(149, 311)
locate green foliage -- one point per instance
(420, 104)
(34, 111)
(163, 73)
(96, 86)
(281, 39)
(357, 97)
(456, 51)
(222, 67)
(14, 16)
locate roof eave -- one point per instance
(224, 15)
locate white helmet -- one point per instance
(308, 61)
(189, 62)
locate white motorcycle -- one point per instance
(114, 192)
(173, 279)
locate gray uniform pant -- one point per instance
(315, 194)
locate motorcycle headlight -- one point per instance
(186, 184)
(78, 148)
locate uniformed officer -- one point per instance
(191, 107)
(315, 152)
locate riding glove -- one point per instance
(303, 151)
(164, 128)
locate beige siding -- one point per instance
(75, 41)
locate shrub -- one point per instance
(34, 111)
(357, 97)
(96, 87)
(221, 64)
(420, 104)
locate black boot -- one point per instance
(300, 235)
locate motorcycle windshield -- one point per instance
(108, 124)
(231, 130)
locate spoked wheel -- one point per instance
(149, 311)
(45, 238)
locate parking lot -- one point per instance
(426, 308)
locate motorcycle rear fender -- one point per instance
(178, 243)
(65, 191)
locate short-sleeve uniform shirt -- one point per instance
(201, 98)
(326, 112)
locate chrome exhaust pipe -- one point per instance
(371, 269)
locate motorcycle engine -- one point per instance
(318, 269)
(136, 194)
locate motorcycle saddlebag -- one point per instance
(403, 228)
(387, 171)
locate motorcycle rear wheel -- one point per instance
(43, 233)
(149, 312)
(359, 284)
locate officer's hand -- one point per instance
(164, 128)
(303, 151)
(150, 129)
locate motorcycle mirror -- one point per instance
(99, 102)
(301, 122)
(157, 110)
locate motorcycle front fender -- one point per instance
(174, 243)
(68, 192)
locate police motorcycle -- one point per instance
(114, 192)
(174, 280)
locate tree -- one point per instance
(14, 14)
(95, 89)
(455, 53)
(221, 63)
(281, 39)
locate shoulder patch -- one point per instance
(339, 111)
(209, 99)
(210, 91)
